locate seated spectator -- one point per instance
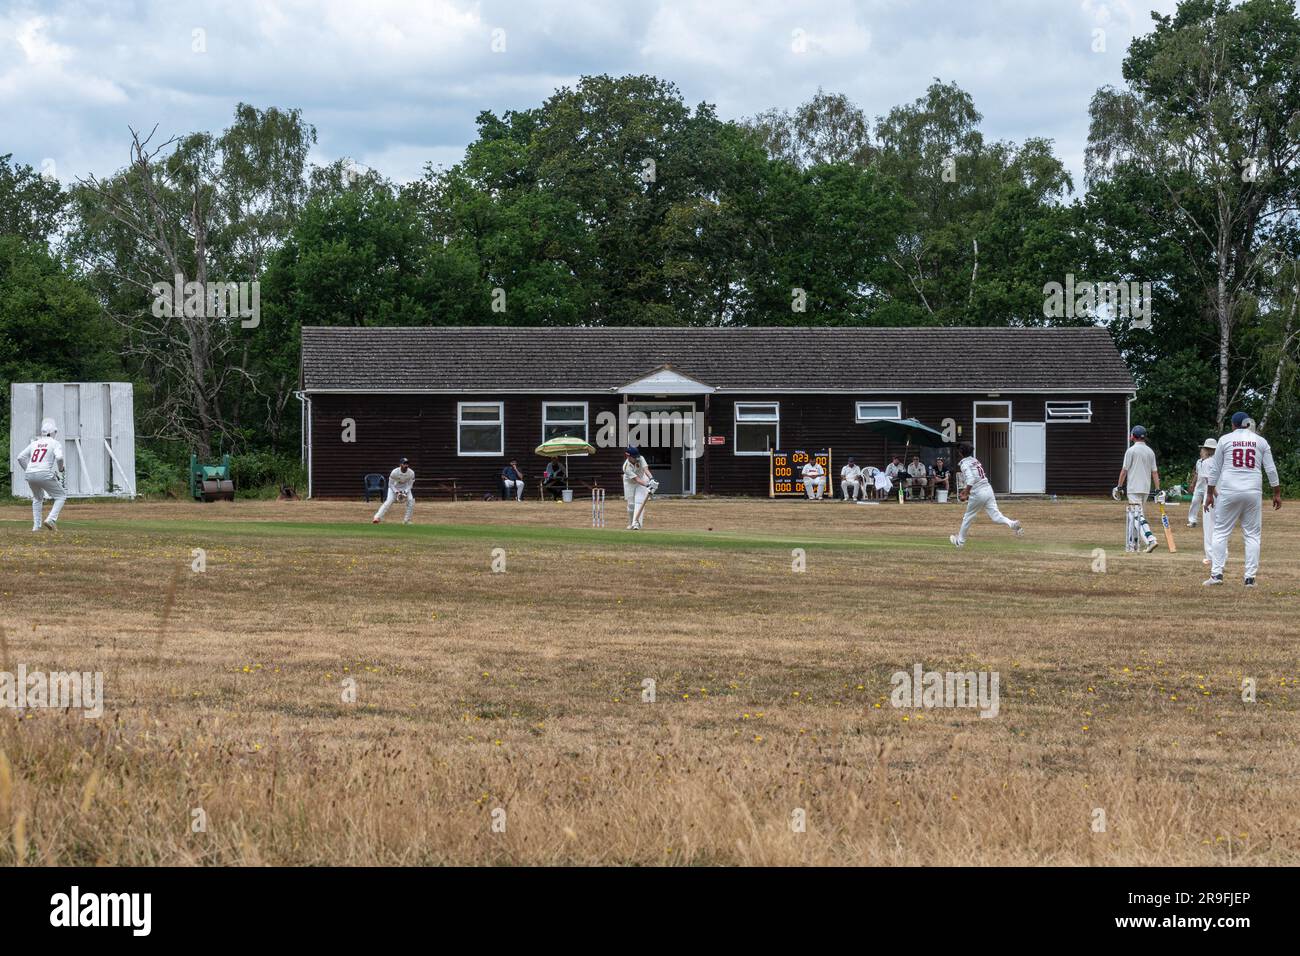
(513, 479)
(918, 478)
(555, 478)
(882, 483)
(896, 472)
(814, 480)
(942, 476)
(851, 481)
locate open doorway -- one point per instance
(993, 442)
(668, 453)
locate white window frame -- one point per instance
(501, 421)
(977, 418)
(586, 418)
(860, 418)
(1064, 412)
(736, 422)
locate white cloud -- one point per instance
(396, 83)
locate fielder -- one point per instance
(42, 465)
(977, 493)
(1200, 480)
(1234, 490)
(638, 485)
(401, 487)
(814, 480)
(851, 482)
(1138, 476)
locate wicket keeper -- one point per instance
(401, 487)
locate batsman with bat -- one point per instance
(1138, 478)
(401, 487)
(638, 485)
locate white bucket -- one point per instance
(941, 495)
(568, 495)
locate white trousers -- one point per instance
(817, 485)
(981, 499)
(392, 496)
(636, 495)
(46, 488)
(1246, 507)
(1196, 512)
(514, 486)
(851, 487)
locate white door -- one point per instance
(1028, 458)
(688, 455)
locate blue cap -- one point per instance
(1239, 419)
(633, 451)
(1139, 432)
(402, 461)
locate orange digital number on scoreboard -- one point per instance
(786, 476)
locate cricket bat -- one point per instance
(1169, 534)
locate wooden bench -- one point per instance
(438, 484)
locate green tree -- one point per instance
(1210, 116)
(30, 204)
(580, 210)
(50, 324)
(198, 209)
(984, 231)
(827, 129)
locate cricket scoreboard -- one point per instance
(786, 471)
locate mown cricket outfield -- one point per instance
(285, 683)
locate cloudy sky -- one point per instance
(394, 84)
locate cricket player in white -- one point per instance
(978, 494)
(814, 480)
(1234, 491)
(638, 483)
(42, 465)
(1138, 476)
(401, 487)
(1200, 481)
(851, 482)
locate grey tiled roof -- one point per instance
(516, 359)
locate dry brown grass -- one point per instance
(522, 690)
